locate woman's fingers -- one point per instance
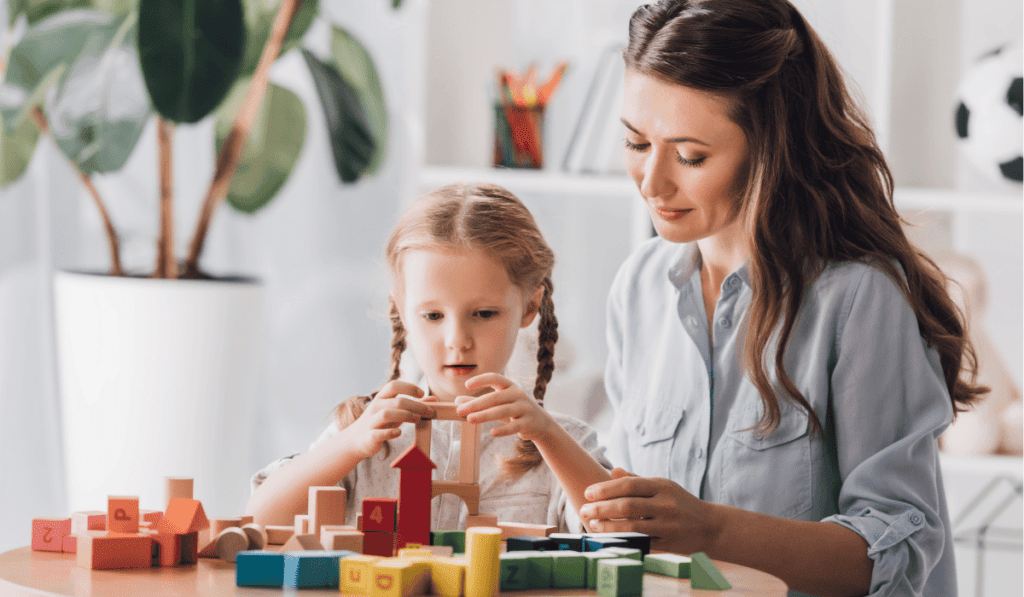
(628, 485)
(623, 507)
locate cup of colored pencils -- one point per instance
(519, 116)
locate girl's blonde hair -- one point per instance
(488, 218)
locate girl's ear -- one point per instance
(532, 307)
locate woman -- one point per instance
(781, 358)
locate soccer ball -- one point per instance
(988, 116)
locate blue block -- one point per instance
(596, 543)
(570, 541)
(313, 569)
(257, 568)
(635, 540)
(529, 543)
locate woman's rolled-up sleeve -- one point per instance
(890, 403)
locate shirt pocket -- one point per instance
(768, 473)
(654, 430)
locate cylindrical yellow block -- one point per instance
(483, 568)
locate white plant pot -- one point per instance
(157, 378)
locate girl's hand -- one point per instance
(391, 407)
(675, 519)
(509, 403)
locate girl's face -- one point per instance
(462, 315)
(688, 159)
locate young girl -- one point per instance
(469, 270)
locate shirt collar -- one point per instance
(688, 263)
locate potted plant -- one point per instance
(158, 369)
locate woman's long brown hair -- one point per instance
(818, 190)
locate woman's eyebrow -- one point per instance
(671, 140)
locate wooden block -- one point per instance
(530, 543)
(257, 535)
(516, 529)
(469, 454)
(414, 550)
(279, 534)
(190, 548)
(259, 569)
(48, 533)
(169, 546)
(359, 522)
(123, 514)
(230, 541)
(177, 487)
(705, 575)
(469, 492)
(114, 551)
(397, 578)
(326, 507)
(481, 520)
(540, 566)
(448, 577)
(591, 558)
(514, 572)
(620, 577)
(414, 495)
(637, 540)
(424, 429)
(380, 514)
(625, 552)
(668, 564)
(70, 544)
(377, 543)
(440, 551)
(247, 519)
(305, 542)
(217, 525)
(88, 520)
(302, 524)
(569, 570)
(311, 569)
(357, 573)
(454, 539)
(182, 517)
(570, 541)
(151, 516)
(207, 548)
(483, 544)
(445, 411)
(596, 543)
(347, 538)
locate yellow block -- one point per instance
(447, 576)
(483, 570)
(356, 572)
(399, 578)
(408, 551)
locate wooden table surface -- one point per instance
(24, 572)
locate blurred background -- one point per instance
(317, 248)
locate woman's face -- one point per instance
(688, 159)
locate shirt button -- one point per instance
(915, 518)
(733, 281)
(724, 322)
(643, 430)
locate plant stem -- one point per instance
(231, 149)
(166, 266)
(115, 253)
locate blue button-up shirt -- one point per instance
(686, 409)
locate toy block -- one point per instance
(302, 524)
(413, 524)
(151, 516)
(89, 520)
(230, 541)
(469, 492)
(514, 571)
(69, 544)
(483, 544)
(440, 551)
(217, 525)
(359, 522)
(177, 487)
(404, 539)
(591, 558)
(667, 564)
(308, 542)
(278, 534)
(48, 533)
(379, 544)
(568, 570)
(356, 573)
(515, 529)
(625, 552)
(189, 547)
(257, 535)
(380, 514)
(570, 541)
(247, 519)
(397, 578)
(469, 454)
(445, 411)
(414, 550)
(257, 568)
(638, 540)
(168, 547)
(454, 539)
(311, 569)
(326, 507)
(705, 575)
(596, 543)
(620, 577)
(183, 516)
(481, 520)
(347, 538)
(123, 514)
(448, 577)
(424, 430)
(530, 543)
(114, 551)
(540, 567)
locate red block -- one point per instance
(123, 514)
(167, 548)
(402, 539)
(115, 551)
(183, 516)
(48, 533)
(379, 514)
(190, 548)
(379, 544)
(70, 544)
(152, 516)
(413, 496)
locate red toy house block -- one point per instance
(183, 517)
(414, 495)
(379, 514)
(123, 514)
(115, 551)
(376, 543)
(48, 533)
(190, 548)
(168, 548)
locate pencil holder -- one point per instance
(518, 136)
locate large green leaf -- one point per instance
(37, 10)
(191, 53)
(16, 148)
(347, 126)
(274, 145)
(259, 20)
(356, 66)
(118, 8)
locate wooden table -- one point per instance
(24, 573)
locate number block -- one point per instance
(514, 571)
(620, 577)
(379, 514)
(591, 558)
(259, 569)
(569, 570)
(668, 564)
(123, 514)
(379, 544)
(70, 544)
(48, 533)
(356, 573)
(448, 577)
(570, 541)
(454, 539)
(705, 575)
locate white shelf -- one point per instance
(958, 202)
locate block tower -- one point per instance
(413, 504)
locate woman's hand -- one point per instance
(509, 403)
(675, 519)
(396, 403)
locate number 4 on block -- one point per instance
(379, 514)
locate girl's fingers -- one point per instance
(500, 412)
(397, 416)
(396, 387)
(493, 380)
(414, 406)
(474, 404)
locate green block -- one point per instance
(454, 539)
(591, 558)
(541, 568)
(705, 575)
(569, 570)
(620, 577)
(625, 552)
(669, 564)
(515, 573)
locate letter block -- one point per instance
(620, 577)
(48, 533)
(514, 571)
(356, 573)
(123, 514)
(592, 557)
(379, 514)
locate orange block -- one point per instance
(190, 547)
(115, 551)
(48, 533)
(88, 520)
(70, 544)
(151, 516)
(123, 514)
(183, 516)
(168, 548)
